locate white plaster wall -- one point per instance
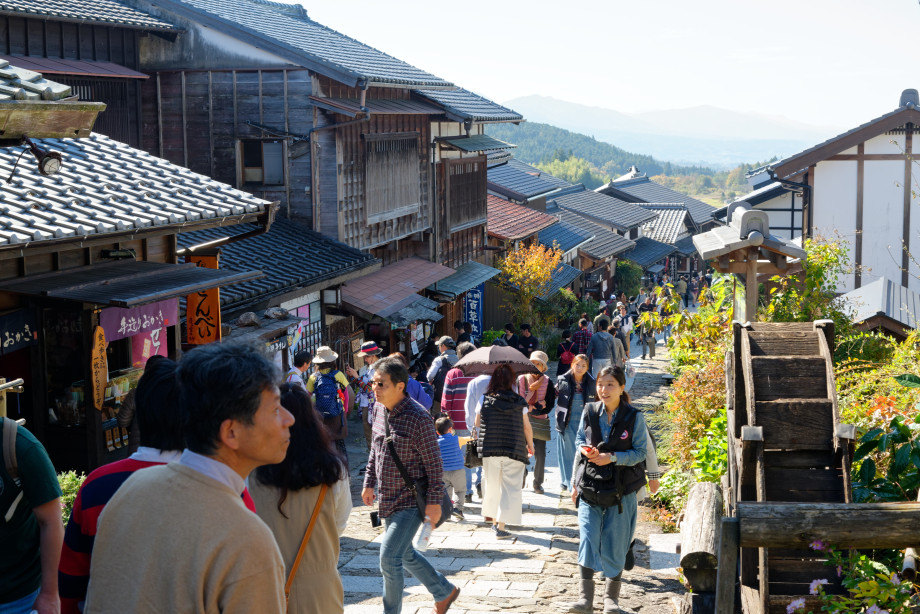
(882, 144)
(913, 281)
(835, 207)
(850, 151)
(883, 219)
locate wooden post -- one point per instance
(728, 566)
(2, 399)
(699, 536)
(750, 285)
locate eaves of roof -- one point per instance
(604, 243)
(511, 222)
(103, 12)
(792, 165)
(643, 189)
(462, 105)
(605, 209)
(564, 236)
(394, 286)
(648, 251)
(304, 42)
(884, 297)
(273, 251)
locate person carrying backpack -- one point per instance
(437, 372)
(31, 530)
(566, 353)
(331, 396)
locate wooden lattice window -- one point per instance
(392, 180)
(466, 192)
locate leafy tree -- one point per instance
(527, 271)
(627, 277)
(574, 170)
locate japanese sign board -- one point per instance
(472, 308)
(120, 323)
(202, 311)
(17, 330)
(99, 366)
(147, 344)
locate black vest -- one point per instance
(606, 485)
(501, 426)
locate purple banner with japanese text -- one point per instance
(119, 323)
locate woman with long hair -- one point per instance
(286, 495)
(609, 470)
(574, 390)
(505, 444)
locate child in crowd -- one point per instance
(452, 461)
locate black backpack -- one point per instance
(438, 382)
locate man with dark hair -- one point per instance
(164, 543)
(156, 407)
(527, 343)
(581, 337)
(647, 333)
(302, 362)
(465, 333)
(415, 441)
(603, 349)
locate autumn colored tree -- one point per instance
(527, 271)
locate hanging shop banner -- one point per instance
(472, 307)
(120, 323)
(100, 367)
(147, 344)
(202, 311)
(17, 330)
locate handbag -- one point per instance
(540, 428)
(472, 459)
(630, 369)
(303, 543)
(419, 487)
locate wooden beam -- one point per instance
(728, 566)
(844, 525)
(860, 182)
(908, 187)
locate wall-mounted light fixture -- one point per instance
(49, 162)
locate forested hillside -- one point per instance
(578, 158)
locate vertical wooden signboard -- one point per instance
(202, 313)
(100, 367)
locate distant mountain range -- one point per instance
(698, 135)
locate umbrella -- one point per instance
(483, 361)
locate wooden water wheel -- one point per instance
(785, 444)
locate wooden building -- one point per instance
(860, 186)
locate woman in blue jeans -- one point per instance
(573, 390)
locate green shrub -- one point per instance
(70, 482)
(489, 336)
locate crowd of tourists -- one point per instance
(239, 493)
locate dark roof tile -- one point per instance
(462, 105)
(521, 181)
(17, 83)
(322, 259)
(563, 236)
(93, 11)
(645, 190)
(604, 244)
(605, 209)
(669, 225)
(648, 251)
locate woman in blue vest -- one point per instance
(609, 470)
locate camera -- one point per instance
(375, 519)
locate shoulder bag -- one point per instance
(419, 487)
(538, 426)
(306, 540)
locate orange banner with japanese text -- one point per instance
(202, 310)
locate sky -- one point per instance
(828, 63)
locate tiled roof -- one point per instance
(420, 309)
(563, 236)
(685, 246)
(521, 181)
(562, 277)
(394, 286)
(512, 222)
(605, 242)
(93, 11)
(376, 106)
(105, 186)
(289, 254)
(884, 297)
(642, 189)
(648, 251)
(478, 142)
(605, 209)
(462, 105)
(468, 275)
(289, 31)
(670, 223)
(83, 68)
(18, 83)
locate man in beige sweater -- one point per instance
(178, 538)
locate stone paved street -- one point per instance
(536, 570)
